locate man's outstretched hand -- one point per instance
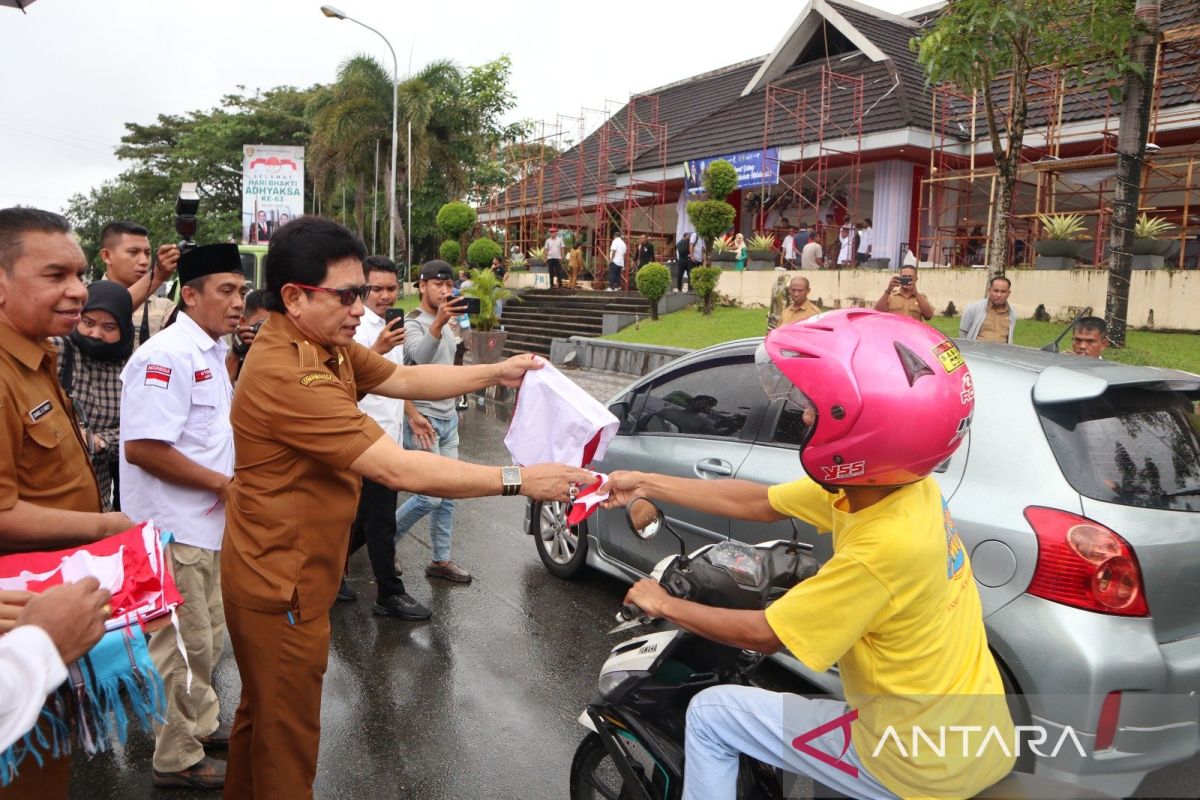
(512, 370)
(623, 487)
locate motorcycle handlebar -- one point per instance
(630, 611)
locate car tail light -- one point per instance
(1106, 727)
(1083, 564)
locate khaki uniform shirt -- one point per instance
(42, 455)
(908, 306)
(297, 428)
(790, 314)
(995, 326)
(156, 310)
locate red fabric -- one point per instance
(142, 586)
(589, 450)
(579, 510)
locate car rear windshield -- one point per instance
(1134, 447)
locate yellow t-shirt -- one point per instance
(896, 608)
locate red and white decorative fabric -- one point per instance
(557, 421)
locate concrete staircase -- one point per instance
(546, 314)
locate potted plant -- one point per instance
(518, 262)
(1146, 233)
(653, 281)
(722, 249)
(484, 340)
(761, 249)
(537, 258)
(1064, 235)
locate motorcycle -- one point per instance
(635, 748)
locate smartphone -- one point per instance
(470, 304)
(905, 280)
(393, 314)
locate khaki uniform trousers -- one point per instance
(190, 714)
(277, 730)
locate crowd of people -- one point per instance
(233, 421)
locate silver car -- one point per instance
(1077, 493)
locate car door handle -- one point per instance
(713, 466)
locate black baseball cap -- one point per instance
(435, 270)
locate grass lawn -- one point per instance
(689, 328)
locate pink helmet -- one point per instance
(893, 396)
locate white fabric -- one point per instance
(30, 668)
(387, 411)
(617, 251)
(554, 247)
(175, 389)
(789, 247)
(555, 420)
(892, 210)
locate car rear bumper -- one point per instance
(1158, 723)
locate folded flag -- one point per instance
(557, 421)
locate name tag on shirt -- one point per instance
(203, 375)
(158, 376)
(41, 411)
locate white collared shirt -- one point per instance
(387, 411)
(30, 668)
(176, 389)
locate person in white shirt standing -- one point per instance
(375, 523)
(554, 254)
(176, 464)
(866, 242)
(616, 262)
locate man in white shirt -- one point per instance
(616, 262)
(789, 249)
(554, 254)
(375, 522)
(176, 464)
(866, 241)
(50, 630)
(697, 250)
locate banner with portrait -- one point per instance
(272, 189)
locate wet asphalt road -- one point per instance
(479, 702)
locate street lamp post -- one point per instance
(333, 13)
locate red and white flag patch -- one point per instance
(203, 375)
(158, 376)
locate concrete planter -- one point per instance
(1151, 247)
(486, 346)
(538, 266)
(1059, 248)
(723, 257)
(762, 255)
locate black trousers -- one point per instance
(684, 271)
(556, 271)
(375, 526)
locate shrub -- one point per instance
(723, 244)
(488, 289)
(704, 283)
(720, 179)
(482, 251)
(1148, 227)
(711, 218)
(450, 251)
(761, 241)
(537, 254)
(455, 219)
(1062, 226)
(652, 281)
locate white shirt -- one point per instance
(617, 251)
(30, 669)
(789, 246)
(554, 247)
(846, 248)
(387, 411)
(865, 239)
(175, 389)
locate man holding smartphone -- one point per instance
(382, 330)
(901, 297)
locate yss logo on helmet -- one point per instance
(839, 472)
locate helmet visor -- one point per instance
(777, 385)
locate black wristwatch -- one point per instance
(510, 477)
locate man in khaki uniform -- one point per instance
(800, 307)
(991, 319)
(901, 297)
(49, 498)
(302, 445)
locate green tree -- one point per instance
(978, 45)
(720, 179)
(450, 252)
(704, 284)
(711, 218)
(653, 280)
(482, 251)
(487, 288)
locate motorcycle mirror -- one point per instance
(645, 518)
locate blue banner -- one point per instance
(755, 168)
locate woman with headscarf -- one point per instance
(90, 360)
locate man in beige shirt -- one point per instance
(991, 319)
(901, 297)
(811, 255)
(800, 307)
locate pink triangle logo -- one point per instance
(843, 722)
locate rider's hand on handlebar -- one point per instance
(649, 596)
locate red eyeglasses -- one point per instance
(345, 296)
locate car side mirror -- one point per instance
(645, 518)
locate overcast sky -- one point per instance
(74, 71)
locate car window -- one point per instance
(248, 266)
(718, 398)
(790, 428)
(1131, 447)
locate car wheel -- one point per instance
(562, 547)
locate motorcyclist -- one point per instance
(884, 399)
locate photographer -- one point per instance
(125, 251)
(253, 316)
(901, 297)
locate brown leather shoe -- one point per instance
(208, 773)
(219, 737)
(447, 570)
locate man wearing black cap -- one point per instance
(432, 424)
(177, 448)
